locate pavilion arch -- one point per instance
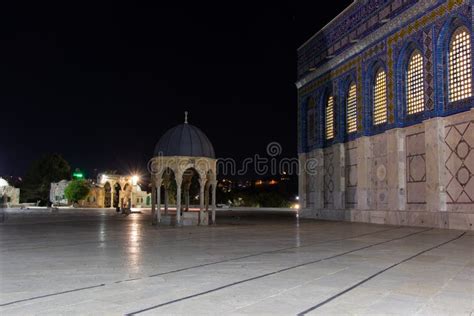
(118, 190)
(116, 194)
(210, 191)
(107, 195)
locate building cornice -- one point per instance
(368, 41)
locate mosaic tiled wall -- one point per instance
(361, 19)
(424, 31)
(459, 140)
(416, 168)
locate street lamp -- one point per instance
(135, 179)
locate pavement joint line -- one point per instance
(194, 267)
(376, 274)
(269, 274)
(268, 252)
(52, 294)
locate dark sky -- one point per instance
(101, 83)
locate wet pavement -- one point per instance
(251, 263)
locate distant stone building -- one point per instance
(8, 194)
(56, 193)
(385, 115)
(109, 191)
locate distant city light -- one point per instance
(296, 206)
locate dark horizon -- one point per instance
(101, 86)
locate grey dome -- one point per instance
(185, 140)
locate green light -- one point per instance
(78, 175)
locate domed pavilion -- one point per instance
(183, 156)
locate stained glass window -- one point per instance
(380, 98)
(330, 118)
(352, 109)
(460, 68)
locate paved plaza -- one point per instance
(252, 263)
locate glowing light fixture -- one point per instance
(78, 174)
(135, 179)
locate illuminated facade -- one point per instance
(385, 115)
(110, 191)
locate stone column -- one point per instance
(364, 155)
(153, 201)
(202, 211)
(112, 194)
(214, 186)
(186, 199)
(339, 194)
(166, 200)
(206, 196)
(158, 199)
(435, 156)
(396, 169)
(178, 201)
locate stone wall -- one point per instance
(12, 196)
(421, 175)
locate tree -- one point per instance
(42, 172)
(77, 190)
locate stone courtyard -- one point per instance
(252, 263)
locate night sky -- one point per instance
(100, 84)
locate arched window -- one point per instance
(460, 68)
(414, 84)
(330, 118)
(380, 97)
(351, 111)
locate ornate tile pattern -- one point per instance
(360, 106)
(459, 164)
(429, 70)
(416, 168)
(328, 178)
(361, 19)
